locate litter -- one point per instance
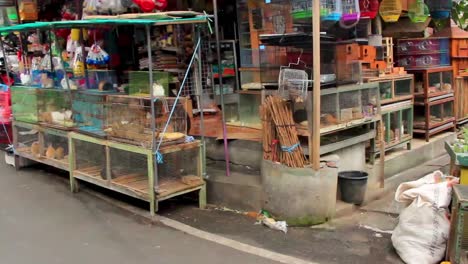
(375, 229)
(265, 218)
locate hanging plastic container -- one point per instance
(369, 8)
(351, 13)
(439, 9)
(12, 15)
(330, 10)
(390, 10)
(418, 11)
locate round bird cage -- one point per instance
(439, 9)
(351, 13)
(330, 10)
(369, 8)
(390, 10)
(418, 11)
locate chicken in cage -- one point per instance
(55, 107)
(27, 139)
(55, 146)
(293, 84)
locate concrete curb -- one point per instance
(145, 217)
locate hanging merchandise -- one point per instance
(146, 6)
(28, 10)
(110, 6)
(78, 65)
(439, 9)
(161, 5)
(90, 6)
(12, 15)
(97, 56)
(369, 8)
(418, 11)
(351, 13)
(330, 10)
(390, 10)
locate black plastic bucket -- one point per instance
(353, 186)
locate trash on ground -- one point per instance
(423, 228)
(264, 217)
(375, 229)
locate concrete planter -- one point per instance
(302, 197)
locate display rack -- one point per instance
(153, 172)
(434, 115)
(461, 103)
(432, 82)
(395, 88)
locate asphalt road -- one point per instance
(41, 221)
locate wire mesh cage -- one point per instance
(179, 171)
(89, 159)
(129, 170)
(369, 103)
(24, 104)
(130, 119)
(27, 139)
(55, 107)
(329, 110)
(439, 9)
(350, 106)
(102, 79)
(293, 83)
(403, 87)
(90, 112)
(55, 146)
(351, 12)
(139, 83)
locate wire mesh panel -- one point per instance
(90, 112)
(178, 172)
(24, 104)
(329, 110)
(350, 106)
(139, 83)
(436, 114)
(130, 119)
(55, 146)
(129, 170)
(55, 107)
(369, 102)
(293, 83)
(27, 140)
(90, 159)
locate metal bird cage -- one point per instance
(439, 9)
(293, 83)
(26, 139)
(89, 160)
(55, 147)
(179, 171)
(130, 119)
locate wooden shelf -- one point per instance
(59, 164)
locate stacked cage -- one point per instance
(26, 138)
(55, 107)
(24, 104)
(55, 147)
(180, 170)
(130, 120)
(90, 159)
(90, 112)
(139, 83)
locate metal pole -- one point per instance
(316, 85)
(200, 105)
(220, 77)
(153, 111)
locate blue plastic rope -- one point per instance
(195, 52)
(189, 139)
(291, 148)
(159, 157)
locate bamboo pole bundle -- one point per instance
(291, 151)
(268, 133)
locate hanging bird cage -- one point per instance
(369, 8)
(330, 10)
(439, 9)
(390, 10)
(293, 84)
(351, 13)
(418, 11)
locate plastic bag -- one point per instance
(421, 234)
(97, 56)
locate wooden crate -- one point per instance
(460, 66)
(367, 53)
(346, 53)
(460, 48)
(461, 101)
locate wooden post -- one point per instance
(314, 152)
